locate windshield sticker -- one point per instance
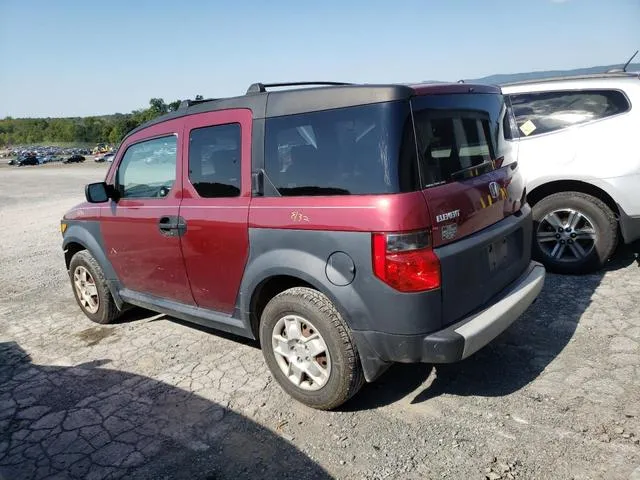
(527, 128)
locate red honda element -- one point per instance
(346, 227)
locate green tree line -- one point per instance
(102, 129)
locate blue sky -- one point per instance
(67, 58)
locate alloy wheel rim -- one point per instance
(566, 235)
(86, 289)
(301, 352)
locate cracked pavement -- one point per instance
(556, 396)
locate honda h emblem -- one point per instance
(494, 189)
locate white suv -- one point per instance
(575, 142)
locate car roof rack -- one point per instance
(184, 104)
(262, 87)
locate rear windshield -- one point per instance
(456, 135)
(376, 149)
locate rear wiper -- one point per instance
(469, 171)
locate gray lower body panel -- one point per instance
(189, 313)
(459, 340)
(477, 268)
(483, 327)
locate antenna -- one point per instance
(624, 69)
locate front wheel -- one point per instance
(90, 288)
(573, 233)
(309, 350)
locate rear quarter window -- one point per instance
(544, 112)
(347, 151)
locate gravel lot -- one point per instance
(556, 396)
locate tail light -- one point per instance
(406, 261)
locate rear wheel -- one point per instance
(573, 233)
(308, 348)
(90, 288)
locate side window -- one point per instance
(148, 169)
(347, 151)
(544, 112)
(214, 160)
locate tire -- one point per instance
(345, 377)
(106, 311)
(587, 210)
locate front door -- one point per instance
(142, 229)
(215, 205)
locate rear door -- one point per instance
(217, 192)
(465, 186)
(140, 230)
(470, 197)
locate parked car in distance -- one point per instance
(347, 227)
(107, 157)
(28, 160)
(75, 159)
(577, 148)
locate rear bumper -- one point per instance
(457, 341)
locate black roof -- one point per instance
(330, 95)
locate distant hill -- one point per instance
(517, 77)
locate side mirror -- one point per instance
(97, 192)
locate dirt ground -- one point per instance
(557, 396)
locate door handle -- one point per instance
(172, 226)
(168, 225)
